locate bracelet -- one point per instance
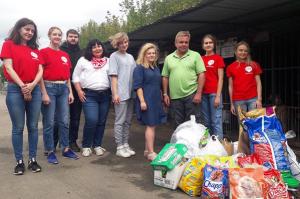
(165, 94)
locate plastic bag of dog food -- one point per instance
(274, 185)
(247, 183)
(249, 161)
(215, 185)
(243, 143)
(224, 162)
(268, 142)
(192, 177)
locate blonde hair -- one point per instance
(52, 29)
(249, 60)
(141, 57)
(117, 38)
(183, 34)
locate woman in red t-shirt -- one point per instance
(56, 95)
(244, 80)
(23, 71)
(211, 104)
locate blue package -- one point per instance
(268, 141)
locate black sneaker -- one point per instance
(20, 168)
(34, 166)
(74, 147)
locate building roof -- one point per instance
(221, 16)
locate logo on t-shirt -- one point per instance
(64, 59)
(34, 55)
(211, 62)
(248, 69)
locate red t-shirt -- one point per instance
(25, 61)
(56, 64)
(243, 78)
(212, 64)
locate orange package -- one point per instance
(246, 183)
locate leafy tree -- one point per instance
(136, 13)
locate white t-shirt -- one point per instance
(90, 77)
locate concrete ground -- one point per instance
(89, 177)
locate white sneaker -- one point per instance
(86, 152)
(122, 152)
(99, 150)
(129, 149)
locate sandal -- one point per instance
(146, 152)
(151, 156)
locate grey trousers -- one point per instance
(123, 115)
(183, 108)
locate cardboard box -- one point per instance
(169, 179)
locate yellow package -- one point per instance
(192, 177)
(224, 162)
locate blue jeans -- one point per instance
(75, 112)
(58, 94)
(95, 110)
(246, 105)
(17, 109)
(212, 117)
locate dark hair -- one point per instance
(15, 33)
(72, 31)
(88, 54)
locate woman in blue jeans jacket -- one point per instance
(91, 81)
(23, 71)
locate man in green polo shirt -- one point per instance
(183, 74)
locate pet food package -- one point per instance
(275, 187)
(268, 142)
(215, 184)
(246, 183)
(191, 134)
(192, 177)
(169, 157)
(243, 143)
(224, 162)
(249, 161)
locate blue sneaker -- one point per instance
(70, 154)
(52, 158)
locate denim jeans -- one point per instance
(75, 113)
(212, 117)
(95, 110)
(183, 108)
(246, 105)
(17, 109)
(58, 107)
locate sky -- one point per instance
(65, 14)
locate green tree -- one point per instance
(136, 13)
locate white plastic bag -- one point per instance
(190, 134)
(294, 165)
(213, 147)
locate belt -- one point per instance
(56, 82)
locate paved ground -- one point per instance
(87, 178)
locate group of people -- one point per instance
(60, 81)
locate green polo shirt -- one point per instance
(183, 73)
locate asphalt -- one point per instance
(106, 177)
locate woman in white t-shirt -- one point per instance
(92, 84)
